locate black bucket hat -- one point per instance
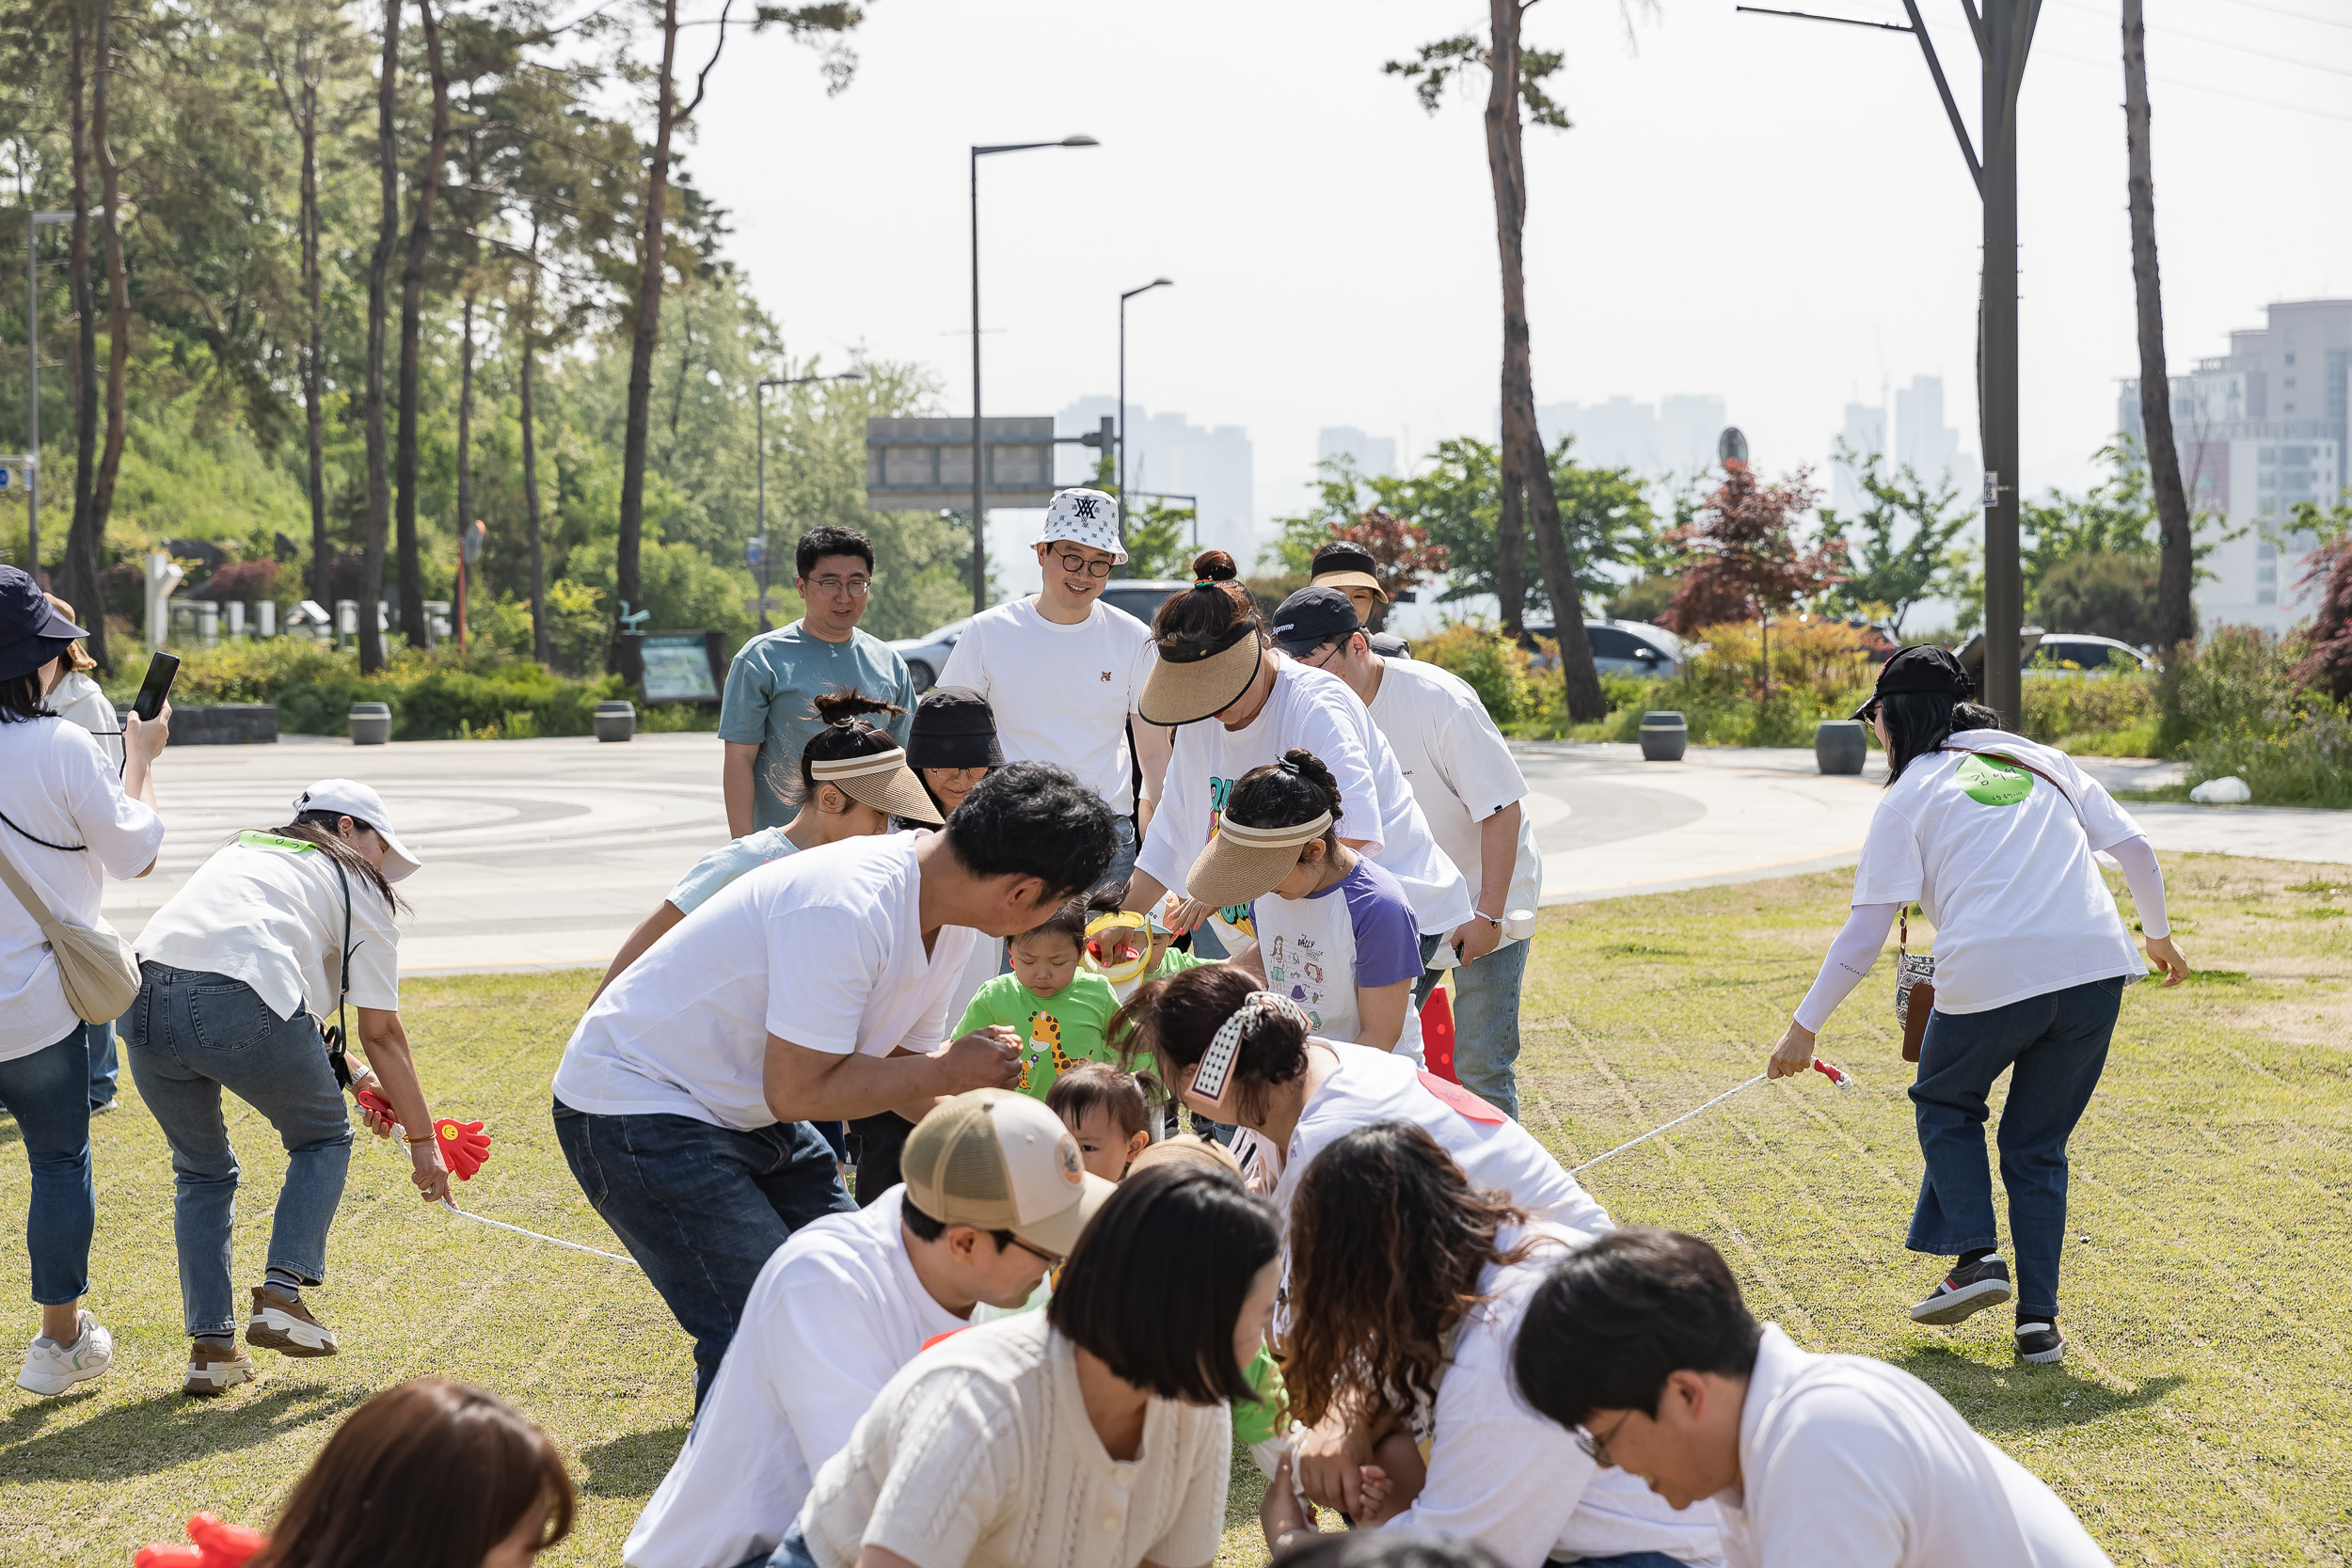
(1922, 670)
(954, 727)
(32, 632)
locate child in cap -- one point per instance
(1061, 1012)
(1337, 936)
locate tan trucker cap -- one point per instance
(1002, 1162)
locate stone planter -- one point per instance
(616, 719)
(1841, 745)
(1665, 736)
(371, 724)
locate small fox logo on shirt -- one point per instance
(1106, 675)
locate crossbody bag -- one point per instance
(1915, 973)
(99, 972)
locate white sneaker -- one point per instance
(51, 1368)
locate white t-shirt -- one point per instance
(823, 949)
(1514, 1481)
(55, 784)
(1061, 694)
(1320, 949)
(1850, 1463)
(723, 865)
(979, 1452)
(832, 1318)
(78, 700)
(1458, 768)
(2004, 869)
(1493, 1151)
(1314, 710)
(271, 914)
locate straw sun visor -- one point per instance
(1242, 864)
(881, 780)
(1201, 681)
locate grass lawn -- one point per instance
(2202, 1416)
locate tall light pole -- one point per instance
(980, 542)
(759, 397)
(33, 223)
(2003, 31)
(1155, 283)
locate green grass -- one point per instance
(2201, 1418)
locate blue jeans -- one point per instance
(1485, 1022)
(48, 1093)
(701, 1207)
(2054, 1047)
(191, 1035)
(104, 1067)
(791, 1552)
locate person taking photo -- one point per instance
(270, 936)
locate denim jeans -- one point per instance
(190, 1035)
(104, 1065)
(1487, 1025)
(701, 1207)
(48, 1093)
(2054, 1047)
(791, 1552)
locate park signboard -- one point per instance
(683, 666)
(925, 465)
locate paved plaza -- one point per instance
(544, 853)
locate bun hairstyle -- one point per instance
(1215, 604)
(847, 733)
(1284, 794)
(1173, 1020)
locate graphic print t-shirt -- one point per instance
(1317, 950)
(1057, 1032)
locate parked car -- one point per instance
(1620, 648)
(2081, 654)
(926, 657)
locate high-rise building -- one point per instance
(1675, 435)
(1864, 436)
(1169, 454)
(1926, 445)
(1374, 456)
(2258, 429)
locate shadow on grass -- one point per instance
(633, 1466)
(2024, 1398)
(162, 1431)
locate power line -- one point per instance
(2221, 43)
(2198, 86)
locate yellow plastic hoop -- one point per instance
(1121, 973)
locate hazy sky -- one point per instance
(1767, 209)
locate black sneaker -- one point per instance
(1965, 1292)
(2041, 1343)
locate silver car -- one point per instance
(927, 656)
(1623, 648)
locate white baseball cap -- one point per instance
(350, 797)
(1087, 518)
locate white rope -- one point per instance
(594, 1252)
(1677, 1122)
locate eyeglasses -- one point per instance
(1052, 1260)
(1596, 1448)
(1073, 565)
(838, 588)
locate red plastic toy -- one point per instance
(1437, 1034)
(1834, 1073)
(464, 1144)
(213, 1545)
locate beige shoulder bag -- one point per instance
(99, 972)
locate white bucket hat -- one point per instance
(1087, 518)
(350, 797)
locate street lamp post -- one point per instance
(1155, 283)
(759, 397)
(979, 543)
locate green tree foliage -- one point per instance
(2110, 594)
(1900, 546)
(2329, 664)
(1159, 541)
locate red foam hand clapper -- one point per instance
(1437, 1034)
(213, 1544)
(464, 1147)
(370, 1101)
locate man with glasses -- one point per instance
(850, 1299)
(1062, 671)
(1469, 786)
(1640, 1342)
(769, 711)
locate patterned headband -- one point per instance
(1210, 1078)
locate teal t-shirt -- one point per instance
(772, 689)
(1057, 1031)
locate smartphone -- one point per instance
(161, 672)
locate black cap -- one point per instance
(1389, 646)
(1311, 617)
(32, 632)
(954, 727)
(1923, 670)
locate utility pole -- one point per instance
(766, 557)
(1155, 283)
(2003, 31)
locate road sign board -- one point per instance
(925, 465)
